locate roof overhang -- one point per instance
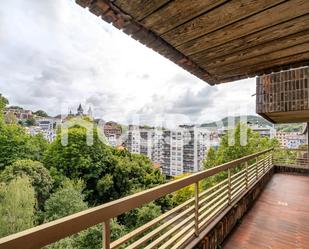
(216, 40)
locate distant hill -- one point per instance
(250, 118)
(290, 127)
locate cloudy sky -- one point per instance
(55, 54)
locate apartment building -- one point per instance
(291, 140)
(112, 131)
(177, 151)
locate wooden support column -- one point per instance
(196, 223)
(308, 143)
(229, 186)
(246, 164)
(256, 168)
(106, 235)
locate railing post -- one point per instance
(307, 144)
(196, 220)
(257, 168)
(229, 186)
(106, 235)
(247, 182)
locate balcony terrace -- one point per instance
(206, 220)
(217, 41)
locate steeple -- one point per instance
(80, 110)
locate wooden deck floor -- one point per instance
(279, 219)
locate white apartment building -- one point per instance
(177, 151)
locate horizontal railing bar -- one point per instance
(168, 243)
(212, 189)
(243, 185)
(209, 204)
(45, 234)
(239, 177)
(238, 173)
(169, 233)
(148, 225)
(203, 214)
(212, 214)
(160, 228)
(238, 183)
(183, 240)
(239, 191)
(214, 194)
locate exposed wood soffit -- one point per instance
(111, 14)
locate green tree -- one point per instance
(184, 194)
(147, 213)
(140, 216)
(13, 144)
(41, 113)
(108, 173)
(92, 237)
(65, 201)
(30, 122)
(17, 205)
(16, 144)
(37, 174)
(36, 147)
(211, 159)
(229, 151)
(3, 102)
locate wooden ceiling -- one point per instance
(216, 40)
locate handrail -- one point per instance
(45, 234)
(295, 158)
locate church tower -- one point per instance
(80, 110)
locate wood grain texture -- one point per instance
(273, 33)
(256, 51)
(270, 17)
(220, 17)
(199, 35)
(138, 9)
(279, 218)
(253, 70)
(178, 12)
(259, 59)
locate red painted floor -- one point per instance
(279, 219)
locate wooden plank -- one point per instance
(256, 52)
(220, 17)
(178, 12)
(138, 9)
(251, 70)
(278, 219)
(289, 117)
(265, 19)
(279, 31)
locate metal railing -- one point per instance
(297, 158)
(172, 229)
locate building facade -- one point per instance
(291, 140)
(177, 151)
(112, 131)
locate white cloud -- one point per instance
(54, 51)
